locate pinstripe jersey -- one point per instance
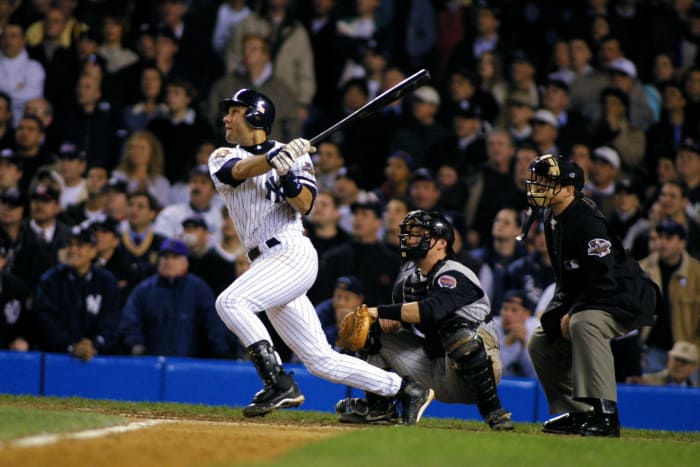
(257, 205)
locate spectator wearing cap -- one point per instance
(673, 200)
(50, 233)
(688, 166)
(348, 294)
(181, 132)
(627, 219)
(329, 161)
(10, 170)
(515, 325)
(71, 165)
(140, 241)
(667, 135)
(682, 366)
(374, 60)
(623, 76)
(397, 172)
(424, 192)
(150, 88)
(485, 37)
(92, 123)
(58, 60)
(117, 202)
(572, 125)
(30, 147)
(17, 330)
(421, 133)
(172, 312)
(322, 223)
(111, 254)
(491, 189)
(545, 130)
(23, 78)
(615, 129)
(464, 92)
(364, 257)
(515, 118)
(7, 134)
(205, 263)
(93, 206)
(347, 190)
(77, 303)
(522, 83)
(678, 276)
(533, 272)
(605, 167)
(141, 166)
(203, 201)
(465, 149)
(166, 47)
(257, 72)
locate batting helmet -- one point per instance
(548, 174)
(261, 110)
(435, 225)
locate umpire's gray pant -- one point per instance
(580, 368)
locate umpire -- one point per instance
(600, 293)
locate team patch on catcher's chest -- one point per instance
(447, 282)
(598, 247)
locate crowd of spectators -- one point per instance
(113, 239)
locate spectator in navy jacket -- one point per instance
(348, 294)
(77, 303)
(172, 312)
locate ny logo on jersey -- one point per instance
(93, 303)
(273, 190)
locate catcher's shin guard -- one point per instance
(466, 349)
(280, 390)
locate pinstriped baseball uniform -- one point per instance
(280, 276)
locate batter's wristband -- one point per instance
(290, 185)
(390, 311)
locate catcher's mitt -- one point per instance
(354, 329)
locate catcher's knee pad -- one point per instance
(466, 350)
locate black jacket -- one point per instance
(592, 270)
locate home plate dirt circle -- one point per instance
(171, 443)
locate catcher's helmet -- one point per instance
(436, 226)
(548, 174)
(261, 110)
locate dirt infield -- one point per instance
(173, 443)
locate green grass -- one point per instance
(408, 446)
(16, 422)
(435, 442)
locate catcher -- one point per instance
(459, 356)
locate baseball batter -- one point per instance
(266, 186)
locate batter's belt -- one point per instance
(255, 251)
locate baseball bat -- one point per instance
(390, 95)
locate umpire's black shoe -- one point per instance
(499, 420)
(566, 424)
(414, 398)
(601, 424)
(272, 398)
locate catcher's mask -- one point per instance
(548, 174)
(426, 225)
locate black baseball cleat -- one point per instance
(566, 424)
(358, 410)
(272, 398)
(601, 424)
(414, 399)
(499, 420)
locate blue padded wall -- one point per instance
(20, 372)
(118, 378)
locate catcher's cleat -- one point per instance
(499, 420)
(566, 423)
(357, 410)
(414, 399)
(272, 398)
